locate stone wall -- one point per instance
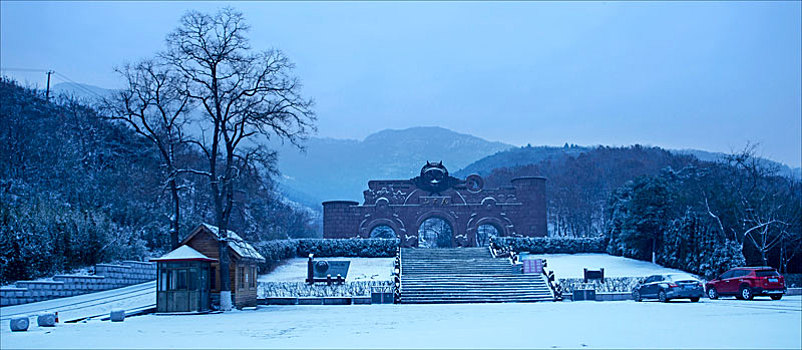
(107, 276)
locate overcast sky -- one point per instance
(707, 75)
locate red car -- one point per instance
(747, 282)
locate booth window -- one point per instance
(213, 278)
(163, 281)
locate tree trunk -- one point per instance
(174, 219)
(654, 247)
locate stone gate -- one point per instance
(435, 209)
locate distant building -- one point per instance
(435, 209)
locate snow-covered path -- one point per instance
(730, 324)
(86, 305)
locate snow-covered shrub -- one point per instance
(301, 289)
(278, 250)
(354, 247)
(555, 245)
(611, 284)
(40, 236)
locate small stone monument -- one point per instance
(47, 319)
(19, 324)
(117, 315)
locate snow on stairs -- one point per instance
(466, 275)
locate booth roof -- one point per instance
(184, 252)
(244, 249)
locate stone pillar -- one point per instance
(339, 219)
(531, 192)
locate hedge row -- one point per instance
(276, 251)
(555, 245)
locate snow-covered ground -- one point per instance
(87, 305)
(572, 265)
(361, 269)
(728, 323)
(563, 265)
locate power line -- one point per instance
(25, 69)
(77, 84)
(61, 75)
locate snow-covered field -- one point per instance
(730, 324)
(361, 269)
(572, 265)
(563, 265)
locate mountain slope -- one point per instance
(340, 169)
(528, 155)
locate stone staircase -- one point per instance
(466, 275)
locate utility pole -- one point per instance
(47, 92)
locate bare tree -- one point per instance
(766, 207)
(154, 103)
(245, 96)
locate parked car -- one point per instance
(747, 282)
(669, 286)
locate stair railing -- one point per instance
(397, 277)
(503, 251)
(555, 287)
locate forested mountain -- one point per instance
(533, 154)
(581, 180)
(699, 216)
(77, 189)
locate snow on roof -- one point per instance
(184, 252)
(242, 248)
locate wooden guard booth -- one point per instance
(242, 267)
(183, 281)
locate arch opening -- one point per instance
(383, 232)
(484, 232)
(435, 232)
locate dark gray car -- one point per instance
(669, 286)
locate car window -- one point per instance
(741, 273)
(650, 279)
(658, 278)
(766, 273)
(727, 275)
(681, 277)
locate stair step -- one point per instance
(466, 275)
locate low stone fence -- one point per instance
(610, 285)
(302, 290)
(107, 276)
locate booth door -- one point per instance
(178, 291)
(181, 292)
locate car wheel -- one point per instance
(745, 293)
(693, 300)
(712, 293)
(776, 297)
(636, 296)
(662, 296)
